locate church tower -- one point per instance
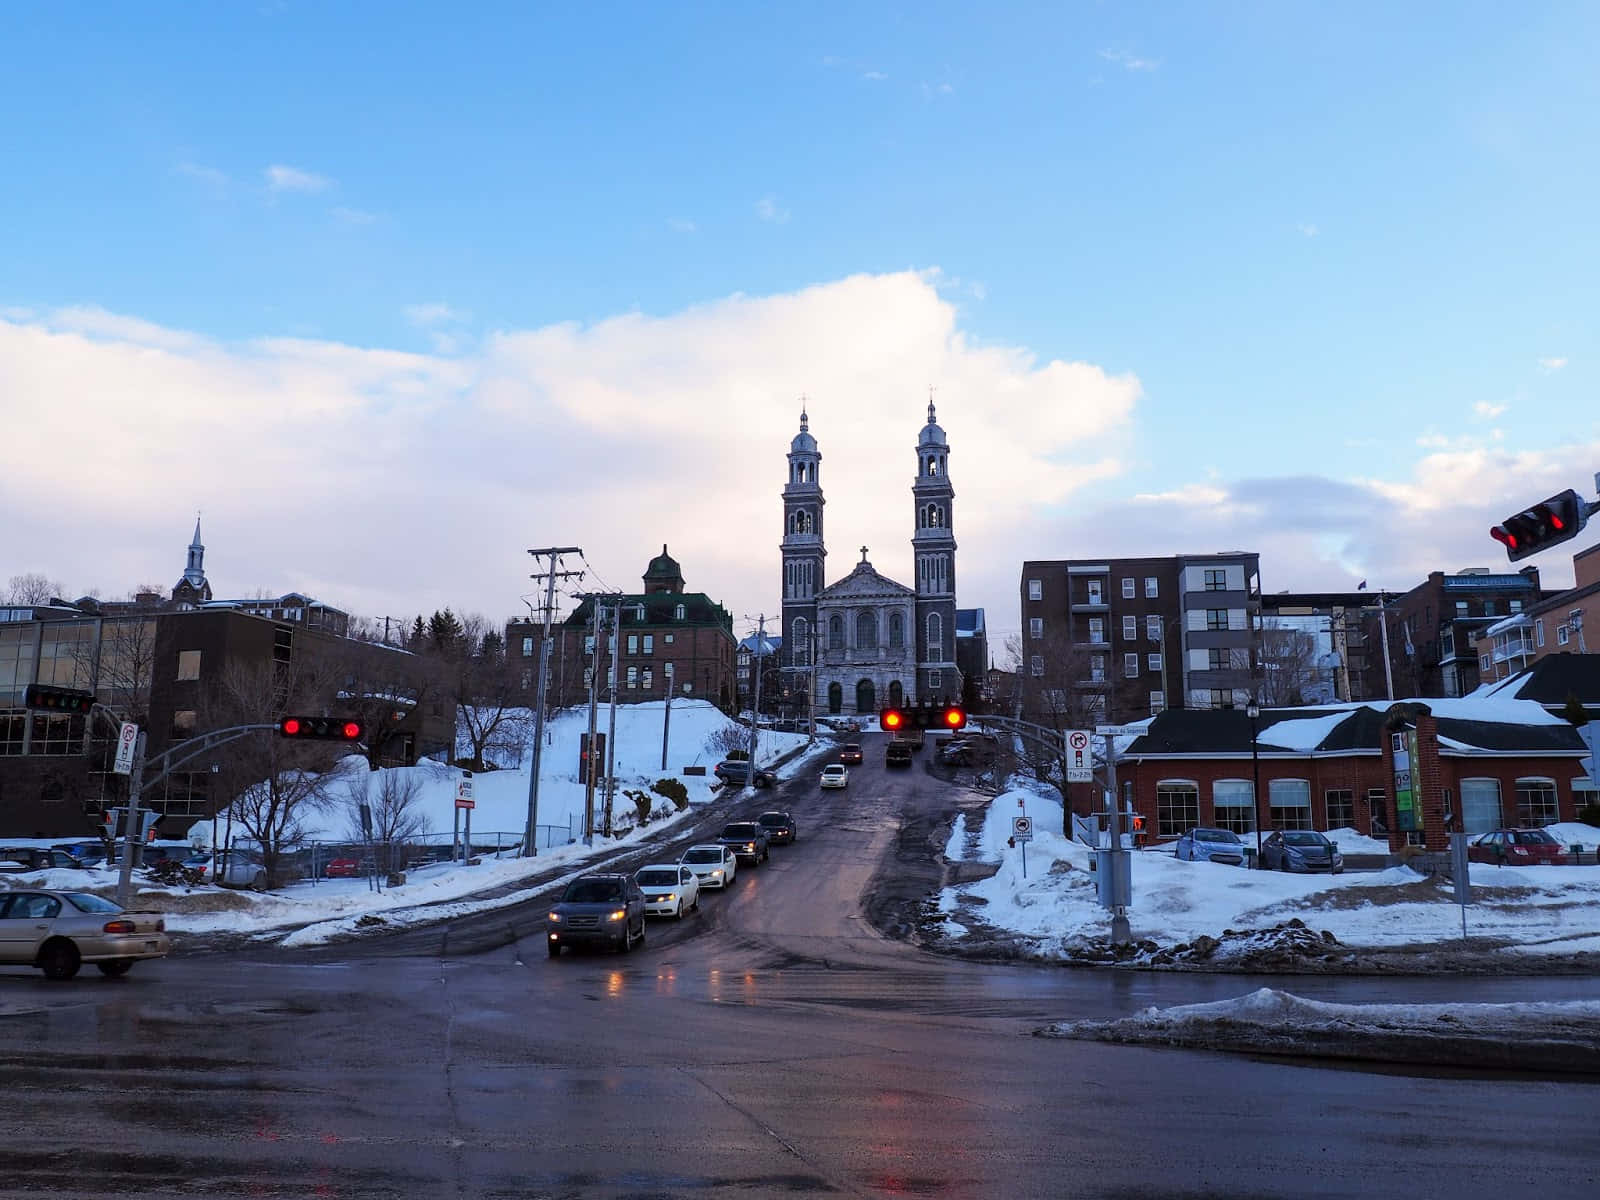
(934, 549)
(803, 553)
(193, 589)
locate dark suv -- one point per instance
(779, 826)
(597, 910)
(747, 840)
(738, 771)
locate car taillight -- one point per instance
(119, 927)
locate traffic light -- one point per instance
(948, 717)
(892, 720)
(590, 764)
(1547, 524)
(322, 729)
(57, 699)
(954, 717)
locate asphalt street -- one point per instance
(776, 1043)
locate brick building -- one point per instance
(1564, 623)
(1508, 762)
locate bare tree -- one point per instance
(1288, 665)
(730, 739)
(33, 588)
(1065, 686)
(394, 801)
(490, 703)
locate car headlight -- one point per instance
(750, 847)
(620, 914)
(716, 871)
(555, 918)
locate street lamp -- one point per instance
(1253, 711)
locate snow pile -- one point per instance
(1551, 1036)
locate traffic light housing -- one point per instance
(321, 729)
(57, 699)
(1546, 524)
(892, 720)
(948, 717)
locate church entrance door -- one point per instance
(866, 698)
(835, 698)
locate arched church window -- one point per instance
(867, 630)
(836, 632)
(800, 635)
(935, 638)
(897, 631)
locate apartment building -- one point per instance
(1564, 623)
(1122, 639)
(1434, 629)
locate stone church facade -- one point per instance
(869, 641)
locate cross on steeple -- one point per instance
(804, 421)
(863, 554)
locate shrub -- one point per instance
(641, 802)
(738, 756)
(674, 790)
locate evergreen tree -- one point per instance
(1574, 713)
(494, 644)
(414, 642)
(444, 632)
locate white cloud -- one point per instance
(681, 225)
(292, 179)
(436, 313)
(614, 436)
(1129, 61)
(930, 90)
(768, 210)
(1485, 411)
(1307, 229)
(352, 216)
(875, 76)
(1551, 365)
(208, 175)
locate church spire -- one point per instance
(195, 572)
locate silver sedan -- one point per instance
(58, 932)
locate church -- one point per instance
(867, 641)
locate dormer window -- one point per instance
(680, 613)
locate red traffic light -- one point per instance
(1546, 524)
(325, 729)
(289, 727)
(892, 719)
(955, 717)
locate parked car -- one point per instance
(1202, 844)
(897, 755)
(1300, 850)
(670, 889)
(779, 826)
(835, 775)
(34, 858)
(850, 753)
(344, 868)
(713, 866)
(60, 931)
(597, 910)
(738, 771)
(747, 840)
(956, 753)
(1516, 847)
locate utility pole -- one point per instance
(1383, 626)
(755, 703)
(594, 705)
(611, 726)
(530, 845)
(666, 717)
(134, 830)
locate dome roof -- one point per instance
(803, 442)
(663, 566)
(932, 435)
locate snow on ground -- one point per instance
(1053, 910)
(1550, 1036)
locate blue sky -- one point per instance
(1326, 242)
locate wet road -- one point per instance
(774, 1044)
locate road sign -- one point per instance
(460, 803)
(127, 739)
(1117, 731)
(1590, 734)
(1022, 826)
(464, 793)
(1080, 758)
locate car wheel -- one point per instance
(116, 967)
(554, 948)
(677, 913)
(60, 960)
(1287, 869)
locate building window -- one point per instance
(184, 721)
(1221, 698)
(1036, 666)
(1341, 806)
(866, 631)
(57, 735)
(1152, 629)
(1483, 664)
(633, 677)
(1177, 807)
(633, 643)
(1096, 596)
(1218, 660)
(1035, 590)
(527, 647)
(638, 613)
(1216, 618)
(1536, 802)
(1234, 802)
(836, 632)
(1290, 803)
(647, 678)
(1150, 589)
(13, 729)
(1461, 609)
(667, 638)
(1154, 661)
(649, 646)
(1097, 630)
(935, 680)
(1216, 580)
(1158, 702)
(188, 664)
(1097, 668)
(1128, 589)
(1516, 606)
(935, 638)
(1563, 635)
(1130, 666)
(1130, 628)
(1035, 627)
(1538, 633)
(1480, 805)
(680, 613)
(897, 631)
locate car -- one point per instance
(1300, 850)
(1516, 847)
(16, 859)
(597, 910)
(1202, 844)
(915, 737)
(58, 932)
(670, 889)
(344, 868)
(713, 866)
(738, 771)
(850, 753)
(747, 840)
(956, 753)
(835, 775)
(897, 755)
(779, 826)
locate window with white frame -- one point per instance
(1035, 589)
(527, 646)
(1340, 805)
(1096, 595)
(633, 677)
(679, 613)
(1516, 606)
(1484, 663)
(1036, 627)
(1130, 666)
(1480, 805)
(1233, 805)
(1538, 633)
(1152, 629)
(1158, 702)
(1536, 802)
(1584, 793)
(1130, 628)
(1036, 666)
(649, 645)
(1290, 803)
(1097, 630)
(647, 678)
(633, 643)
(1097, 668)
(1151, 590)
(1563, 635)
(1154, 661)
(1128, 586)
(935, 680)
(1177, 806)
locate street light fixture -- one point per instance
(1253, 711)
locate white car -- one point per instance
(713, 866)
(834, 775)
(670, 889)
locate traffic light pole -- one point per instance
(130, 840)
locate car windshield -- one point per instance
(90, 903)
(592, 891)
(1216, 835)
(773, 819)
(660, 878)
(704, 854)
(852, 746)
(1299, 837)
(835, 769)
(1535, 837)
(742, 830)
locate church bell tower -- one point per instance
(803, 556)
(934, 549)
